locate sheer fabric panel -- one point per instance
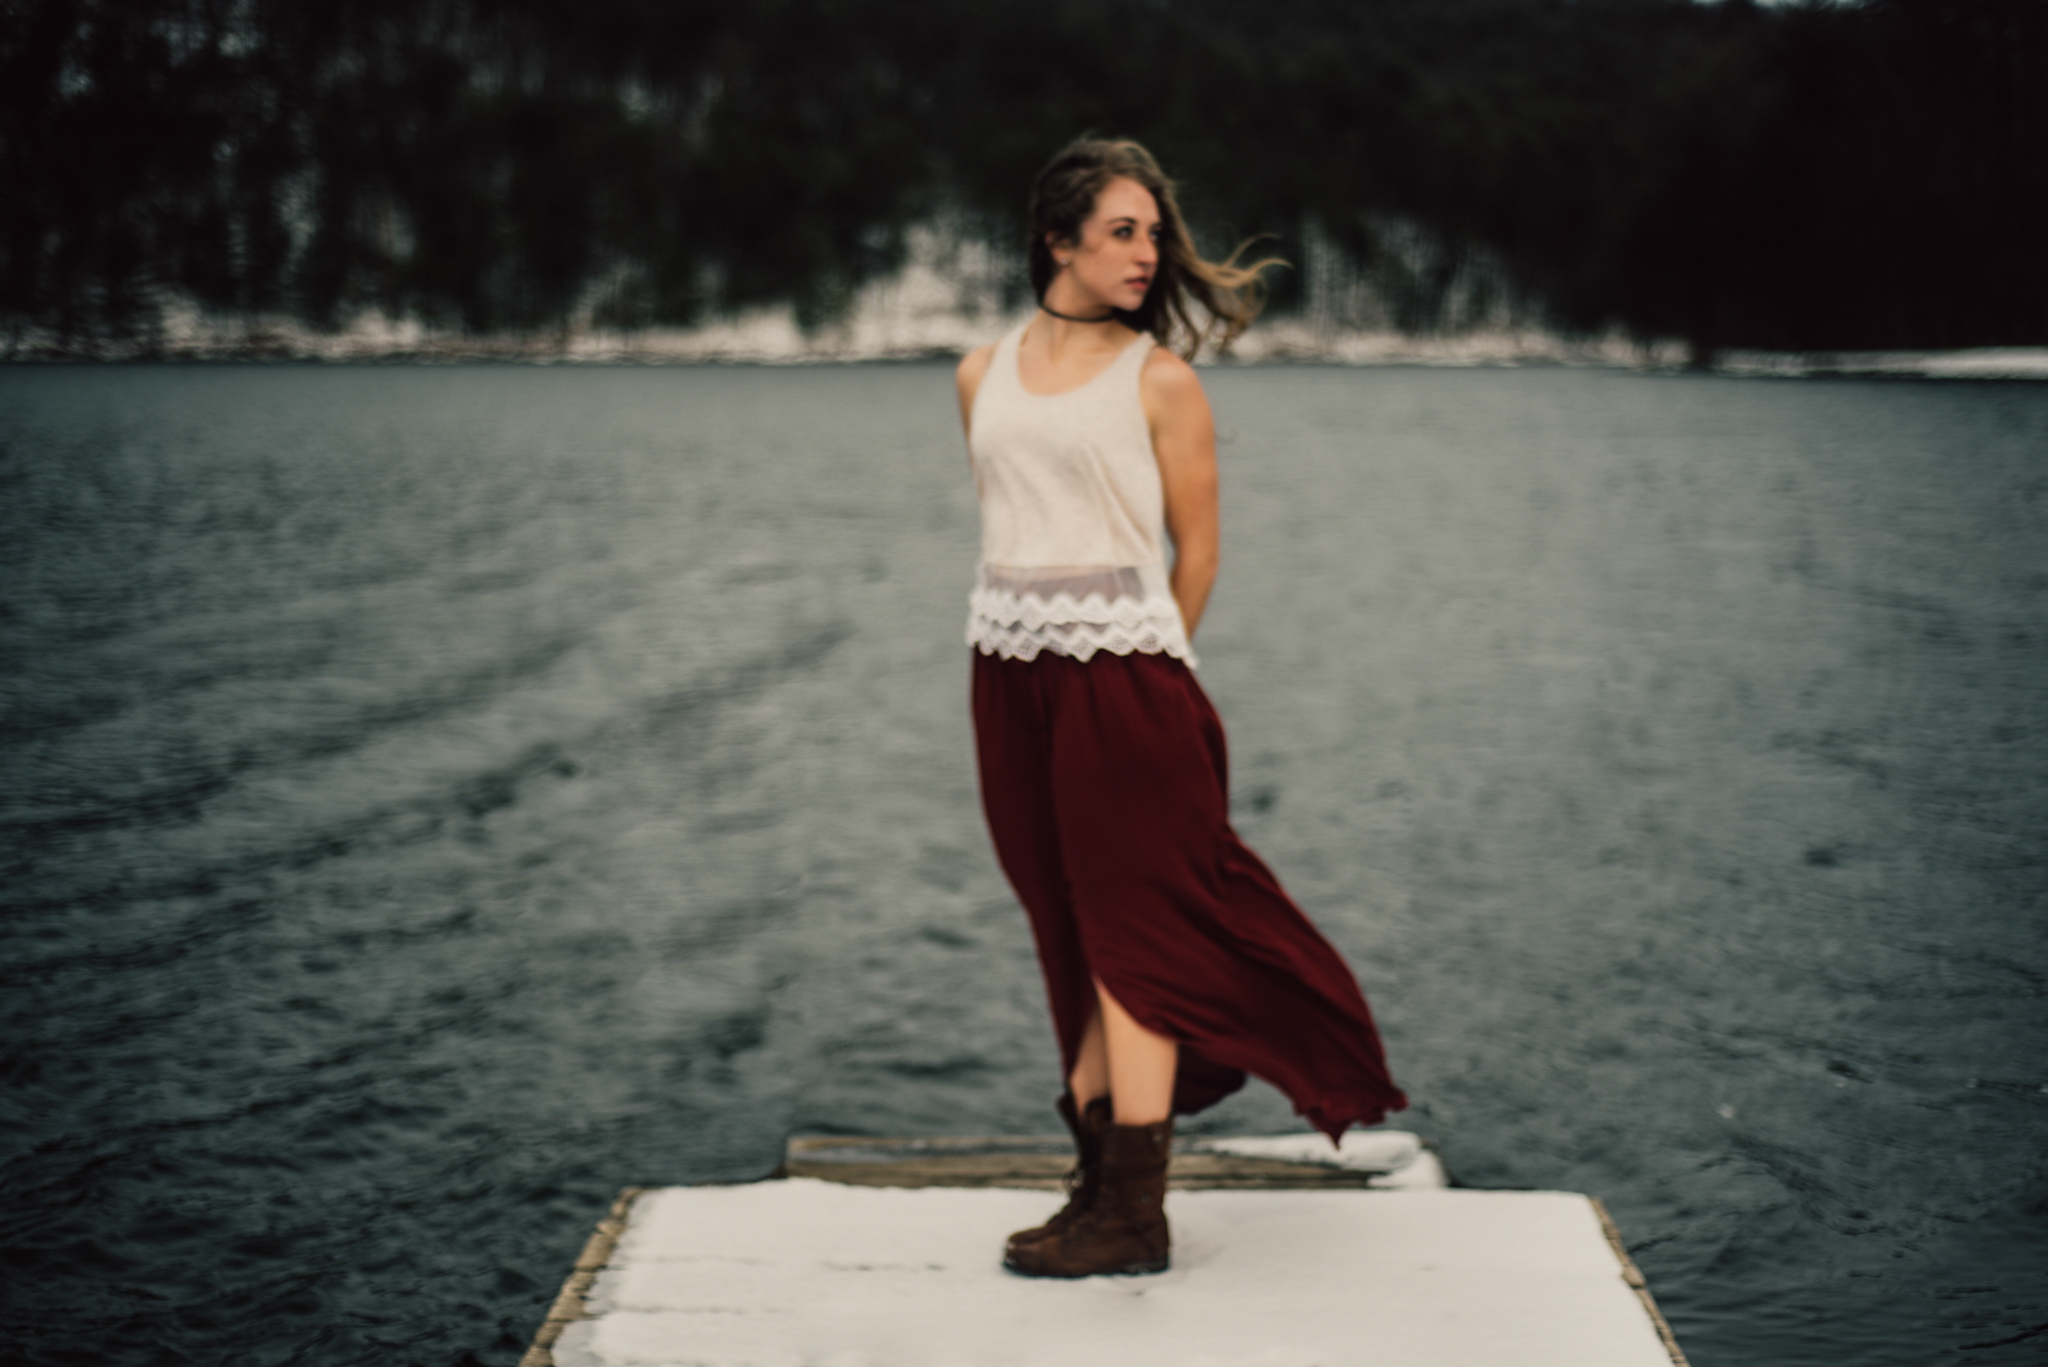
(1075, 610)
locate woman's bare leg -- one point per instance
(1140, 1064)
(1090, 1078)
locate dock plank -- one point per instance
(1041, 1163)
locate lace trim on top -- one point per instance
(1016, 613)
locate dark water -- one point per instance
(435, 798)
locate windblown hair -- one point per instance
(1230, 294)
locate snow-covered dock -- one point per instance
(883, 1253)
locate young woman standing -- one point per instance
(1174, 962)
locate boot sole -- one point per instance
(1143, 1269)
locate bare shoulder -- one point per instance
(1171, 389)
(972, 367)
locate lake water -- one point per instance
(435, 798)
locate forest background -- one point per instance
(1791, 177)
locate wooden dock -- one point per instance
(884, 1253)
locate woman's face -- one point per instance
(1118, 253)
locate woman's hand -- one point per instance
(1184, 443)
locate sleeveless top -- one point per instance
(1072, 517)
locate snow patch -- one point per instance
(802, 1273)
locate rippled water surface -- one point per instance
(435, 798)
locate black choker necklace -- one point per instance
(1071, 318)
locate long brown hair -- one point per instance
(1064, 196)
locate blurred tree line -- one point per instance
(1803, 177)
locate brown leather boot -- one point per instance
(1124, 1230)
(1085, 1181)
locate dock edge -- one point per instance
(597, 1251)
(1637, 1283)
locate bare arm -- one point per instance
(1184, 443)
(967, 379)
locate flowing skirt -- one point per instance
(1105, 783)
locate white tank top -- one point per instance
(1072, 517)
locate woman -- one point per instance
(1174, 962)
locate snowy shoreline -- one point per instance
(952, 294)
(771, 337)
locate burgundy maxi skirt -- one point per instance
(1105, 785)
